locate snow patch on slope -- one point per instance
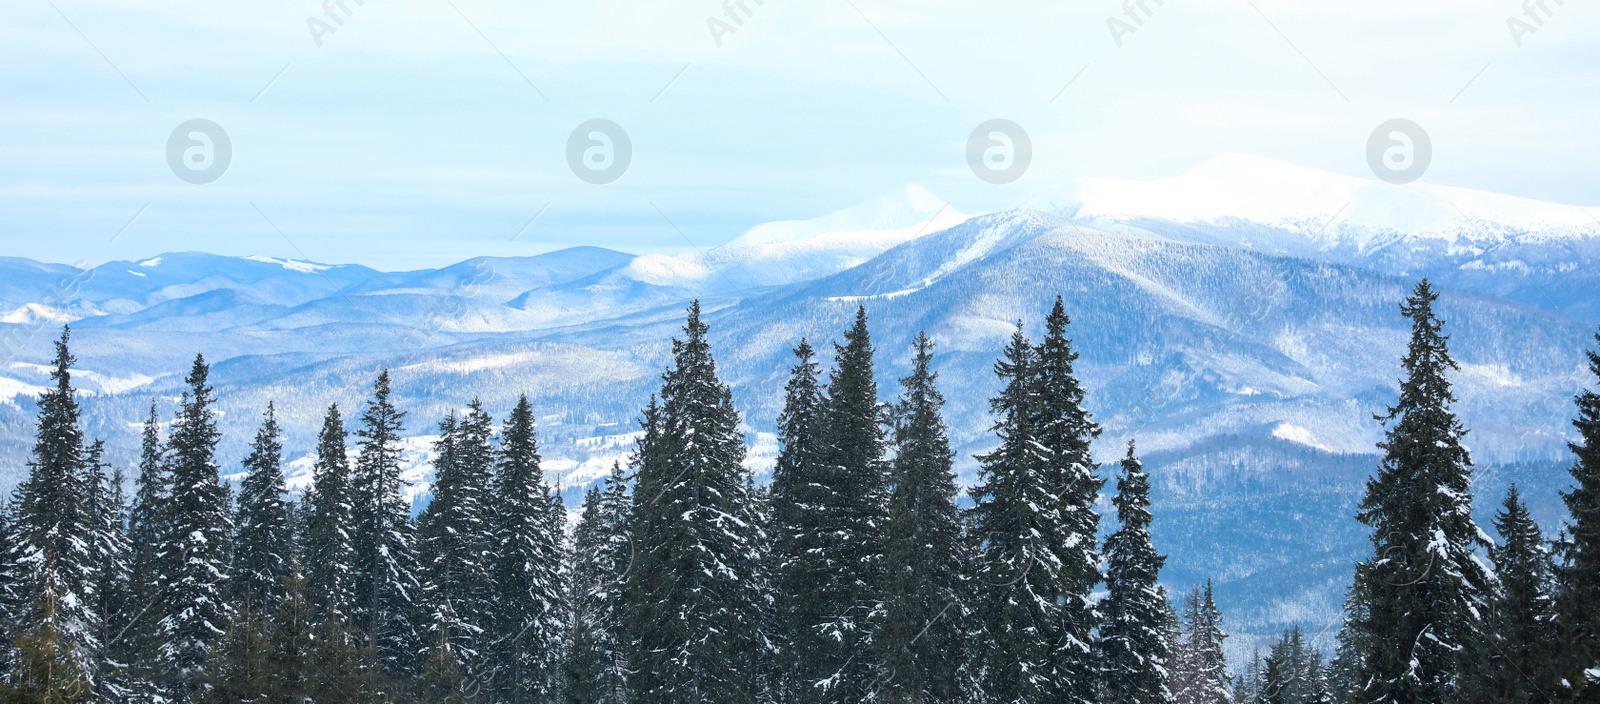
(303, 267)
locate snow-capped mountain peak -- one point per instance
(910, 208)
(1330, 210)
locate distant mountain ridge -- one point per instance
(1247, 356)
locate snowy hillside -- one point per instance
(1545, 255)
(1252, 373)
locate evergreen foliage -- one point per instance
(1424, 590)
(526, 567)
(53, 525)
(263, 537)
(384, 604)
(1292, 673)
(850, 522)
(689, 592)
(1521, 651)
(1020, 575)
(1579, 571)
(1199, 672)
(194, 599)
(454, 539)
(1064, 432)
(922, 636)
(328, 544)
(1134, 649)
(796, 561)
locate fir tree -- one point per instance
(1291, 673)
(263, 537)
(454, 535)
(1133, 642)
(526, 567)
(797, 563)
(1064, 431)
(111, 556)
(1579, 571)
(290, 637)
(1424, 589)
(48, 669)
(614, 553)
(241, 667)
(149, 526)
(385, 586)
(585, 664)
(1521, 623)
(1020, 574)
(328, 545)
(443, 679)
(194, 600)
(1199, 673)
(922, 634)
(851, 520)
(690, 595)
(55, 528)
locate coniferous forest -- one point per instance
(859, 573)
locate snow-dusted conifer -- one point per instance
(526, 567)
(385, 587)
(1424, 588)
(328, 545)
(690, 593)
(194, 605)
(263, 536)
(1064, 431)
(1134, 648)
(922, 639)
(455, 540)
(1015, 519)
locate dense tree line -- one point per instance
(857, 574)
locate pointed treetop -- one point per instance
(63, 362)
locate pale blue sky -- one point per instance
(410, 139)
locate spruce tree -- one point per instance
(922, 637)
(111, 556)
(290, 637)
(263, 538)
(385, 587)
(1424, 589)
(1133, 643)
(585, 665)
(851, 521)
(195, 608)
(149, 526)
(1291, 673)
(1521, 625)
(47, 668)
(690, 595)
(1579, 572)
(797, 563)
(526, 567)
(328, 543)
(455, 542)
(241, 667)
(1016, 517)
(444, 679)
(54, 527)
(592, 668)
(1199, 672)
(1064, 431)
